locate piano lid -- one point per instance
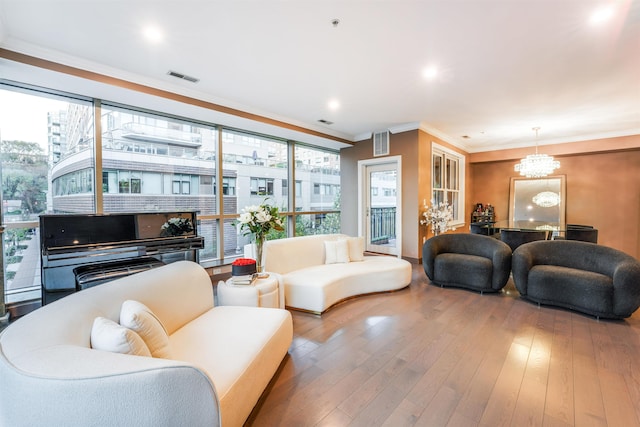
(93, 229)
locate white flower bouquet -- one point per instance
(176, 227)
(437, 216)
(259, 220)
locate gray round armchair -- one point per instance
(590, 278)
(470, 261)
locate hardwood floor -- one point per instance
(427, 356)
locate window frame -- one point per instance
(443, 179)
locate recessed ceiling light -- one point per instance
(333, 104)
(601, 15)
(430, 73)
(152, 34)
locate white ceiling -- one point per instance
(504, 66)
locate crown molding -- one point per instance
(443, 136)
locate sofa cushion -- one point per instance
(336, 251)
(293, 253)
(140, 319)
(471, 271)
(571, 288)
(107, 335)
(356, 249)
(240, 349)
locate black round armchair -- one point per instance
(470, 261)
(593, 279)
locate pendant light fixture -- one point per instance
(546, 199)
(537, 165)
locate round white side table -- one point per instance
(266, 292)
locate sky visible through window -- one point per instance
(24, 117)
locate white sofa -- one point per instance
(313, 285)
(222, 358)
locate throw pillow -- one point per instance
(140, 319)
(107, 335)
(356, 248)
(336, 251)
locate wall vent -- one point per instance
(381, 143)
(183, 76)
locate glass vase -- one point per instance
(259, 261)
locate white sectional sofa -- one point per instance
(221, 358)
(315, 279)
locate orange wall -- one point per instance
(402, 144)
(603, 185)
(415, 149)
(603, 189)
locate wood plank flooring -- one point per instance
(427, 356)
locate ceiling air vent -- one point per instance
(183, 76)
(381, 143)
(326, 122)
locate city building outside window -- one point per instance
(261, 186)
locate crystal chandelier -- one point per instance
(537, 165)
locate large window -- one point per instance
(447, 179)
(150, 162)
(257, 166)
(317, 190)
(153, 162)
(38, 131)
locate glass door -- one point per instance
(381, 208)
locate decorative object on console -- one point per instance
(483, 213)
(176, 227)
(259, 221)
(243, 267)
(243, 271)
(537, 165)
(437, 216)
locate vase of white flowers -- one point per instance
(437, 216)
(259, 221)
(176, 227)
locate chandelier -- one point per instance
(537, 165)
(546, 199)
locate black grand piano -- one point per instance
(84, 250)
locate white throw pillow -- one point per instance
(356, 248)
(107, 335)
(140, 319)
(336, 251)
